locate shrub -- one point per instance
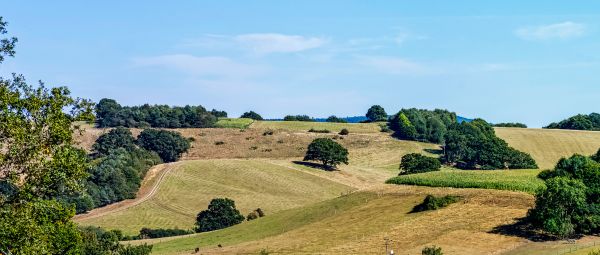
(160, 232)
(416, 163)
(168, 144)
(252, 216)
(312, 130)
(116, 138)
(327, 151)
(268, 132)
(221, 213)
(260, 212)
(432, 250)
(376, 113)
(344, 131)
(251, 115)
(433, 203)
(219, 143)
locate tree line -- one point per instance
(578, 122)
(109, 113)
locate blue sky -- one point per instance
(533, 62)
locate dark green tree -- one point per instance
(168, 144)
(218, 114)
(403, 128)
(221, 213)
(251, 115)
(334, 118)
(328, 152)
(97, 241)
(416, 163)
(376, 113)
(119, 137)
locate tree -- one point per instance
(97, 241)
(251, 115)
(298, 118)
(116, 138)
(334, 118)
(416, 163)
(218, 114)
(404, 128)
(221, 213)
(579, 122)
(168, 144)
(376, 113)
(37, 163)
(327, 151)
(107, 111)
(511, 124)
(432, 250)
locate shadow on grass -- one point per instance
(434, 151)
(314, 165)
(522, 228)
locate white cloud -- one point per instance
(201, 66)
(564, 30)
(271, 43)
(393, 65)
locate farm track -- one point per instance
(143, 194)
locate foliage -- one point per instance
(325, 131)
(38, 162)
(474, 145)
(327, 151)
(523, 180)
(255, 214)
(161, 232)
(344, 131)
(376, 113)
(97, 241)
(432, 250)
(422, 125)
(579, 122)
(511, 124)
(109, 113)
(433, 203)
(218, 114)
(298, 118)
(168, 145)
(334, 118)
(416, 163)
(221, 213)
(251, 115)
(119, 137)
(569, 204)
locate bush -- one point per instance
(327, 151)
(99, 241)
(344, 131)
(335, 119)
(312, 130)
(168, 144)
(160, 232)
(251, 115)
(219, 143)
(221, 213)
(268, 132)
(376, 113)
(252, 216)
(119, 137)
(432, 250)
(433, 203)
(416, 163)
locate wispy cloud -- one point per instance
(273, 43)
(564, 30)
(201, 66)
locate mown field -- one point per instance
(233, 123)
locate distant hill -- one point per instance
(462, 119)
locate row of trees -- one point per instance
(579, 122)
(510, 124)
(109, 113)
(298, 118)
(422, 125)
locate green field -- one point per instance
(188, 188)
(233, 123)
(306, 125)
(515, 180)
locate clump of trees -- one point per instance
(335, 119)
(109, 113)
(474, 145)
(168, 145)
(298, 118)
(579, 122)
(432, 250)
(162, 232)
(376, 113)
(252, 115)
(432, 202)
(568, 205)
(221, 213)
(511, 124)
(422, 125)
(416, 163)
(99, 241)
(328, 152)
(218, 114)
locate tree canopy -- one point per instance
(115, 138)
(221, 213)
(579, 122)
(168, 144)
(252, 115)
(334, 118)
(413, 163)
(327, 151)
(376, 113)
(510, 124)
(298, 118)
(422, 125)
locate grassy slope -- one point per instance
(233, 122)
(547, 146)
(357, 224)
(252, 184)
